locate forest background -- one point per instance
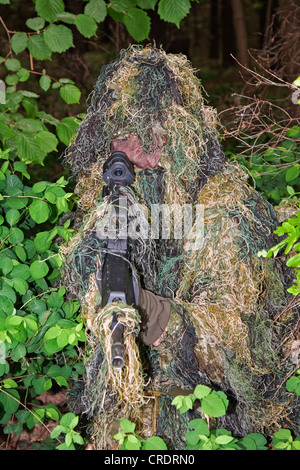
(247, 55)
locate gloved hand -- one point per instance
(155, 314)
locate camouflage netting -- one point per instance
(232, 322)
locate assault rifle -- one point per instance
(118, 283)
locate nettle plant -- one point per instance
(39, 330)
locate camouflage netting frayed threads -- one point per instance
(232, 324)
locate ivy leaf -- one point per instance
(19, 42)
(39, 211)
(137, 23)
(86, 25)
(96, 9)
(58, 38)
(173, 12)
(49, 9)
(70, 94)
(38, 48)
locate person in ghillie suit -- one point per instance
(218, 315)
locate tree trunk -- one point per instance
(240, 31)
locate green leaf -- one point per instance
(70, 94)
(28, 148)
(12, 64)
(66, 129)
(23, 75)
(39, 269)
(292, 384)
(21, 271)
(52, 333)
(59, 38)
(45, 82)
(283, 434)
(52, 413)
(35, 23)
(41, 384)
(213, 406)
(155, 443)
(86, 25)
(11, 79)
(202, 391)
(10, 383)
(294, 261)
(39, 187)
(39, 211)
(19, 42)
(137, 23)
(146, 4)
(47, 141)
(66, 17)
(173, 12)
(69, 420)
(10, 401)
(14, 320)
(223, 439)
(38, 48)
(127, 426)
(49, 9)
(96, 9)
(6, 265)
(292, 173)
(6, 305)
(21, 253)
(17, 236)
(12, 216)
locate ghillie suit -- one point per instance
(232, 323)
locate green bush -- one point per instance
(275, 170)
(39, 329)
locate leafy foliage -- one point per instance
(67, 426)
(213, 403)
(199, 435)
(36, 322)
(275, 170)
(290, 228)
(128, 440)
(293, 383)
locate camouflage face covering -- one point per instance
(232, 323)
